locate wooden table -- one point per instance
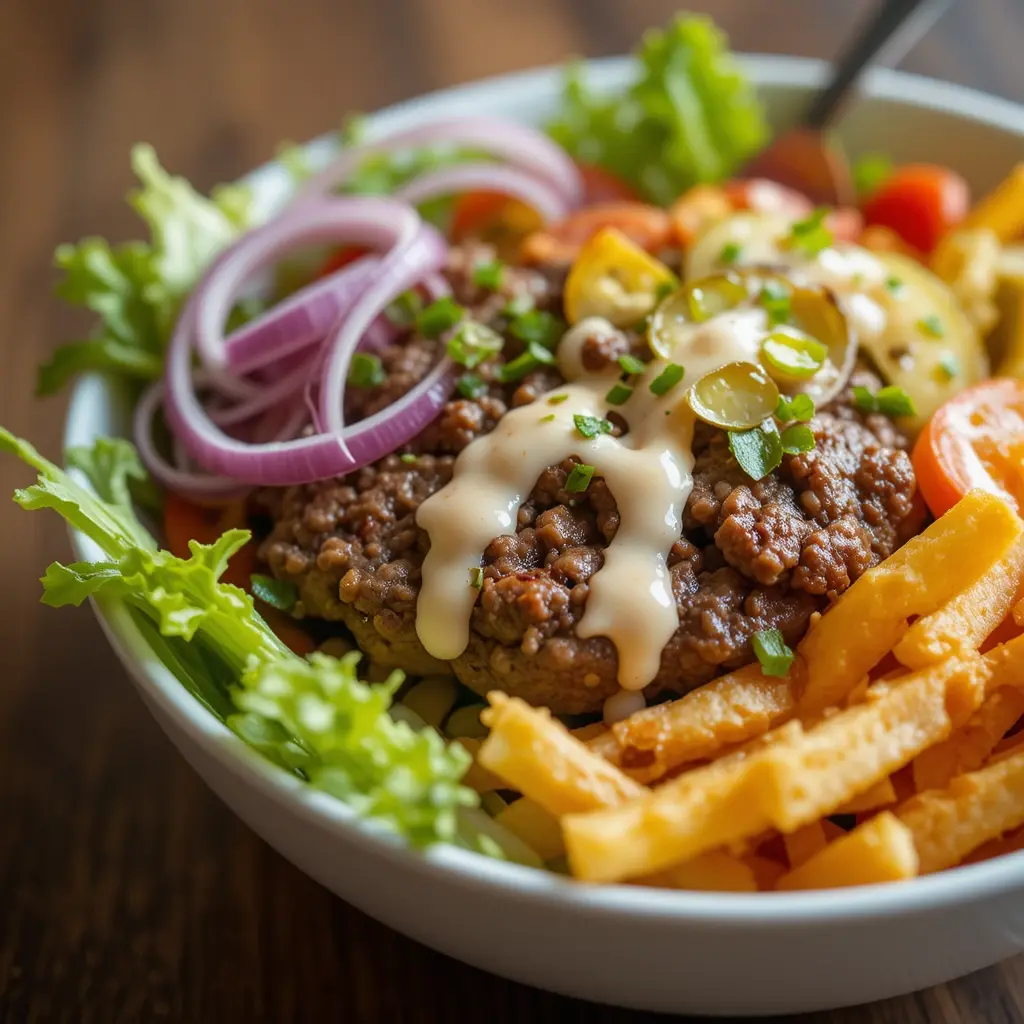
(127, 892)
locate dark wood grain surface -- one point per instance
(127, 892)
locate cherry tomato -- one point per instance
(975, 440)
(494, 218)
(696, 210)
(920, 202)
(648, 226)
(601, 186)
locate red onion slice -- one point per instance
(523, 147)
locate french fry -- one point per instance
(714, 871)
(767, 872)
(536, 755)
(804, 843)
(968, 748)
(698, 726)
(881, 794)
(948, 824)
(587, 733)
(1006, 664)
(1009, 843)
(1002, 210)
(536, 827)
(881, 850)
(478, 777)
(870, 618)
(786, 779)
(963, 623)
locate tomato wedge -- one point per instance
(601, 186)
(920, 202)
(975, 440)
(648, 226)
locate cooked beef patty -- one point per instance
(752, 555)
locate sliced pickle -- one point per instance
(736, 396)
(694, 303)
(791, 354)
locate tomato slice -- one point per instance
(601, 186)
(920, 202)
(648, 226)
(975, 440)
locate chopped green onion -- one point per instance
(518, 305)
(932, 326)
(408, 458)
(580, 477)
(590, 426)
(870, 172)
(730, 253)
(488, 275)
(535, 355)
(799, 407)
(631, 365)
(473, 343)
(619, 394)
(797, 439)
(864, 400)
(537, 326)
(667, 379)
(792, 353)
(771, 650)
(557, 399)
(280, 594)
(894, 401)
(471, 386)
(550, 418)
(949, 366)
(758, 450)
(894, 285)
(811, 235)
(440, 316)
(664, 289)
(404, 310)
(775, 298)
(366, 371)
(476, 576)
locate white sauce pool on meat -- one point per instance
(630, 599)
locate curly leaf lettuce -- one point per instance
(314, 718)
(690, 117)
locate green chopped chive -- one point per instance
(535, 355)
(864, 400)
(870, 172)
(811, 235)
(932, 326)
(664, 289)
(667, 379)
(537, 326)
(890, 401)
(476, 576)
(366, 371)
(518, 305)
(550, 418)
(771, 650)
(404, 310)
(631, 365)
(591, 426)
(730, 253)
(579, 479)
(797, 439)
(472, 343)
(799, 407)
(440, 316)
(619, 394)
(949, 366)
(557, 399)
(408, 458)
(894, 285)
(469, 385)
(758, 450)
(280, 594)
(775, 298)
(488, 275)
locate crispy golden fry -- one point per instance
(588, 733)
(730, 710)
(477, 777)
(948, 824)
(881, 850)
(963, 623)
(881, 794)
(1009, 843)
(787, 779)
(1003, 209)
(767, 871)
(870, 618)
(1006, 665)
(714, 871)
(536, 754)
(804, 843)
(536, 827)
(968, 748)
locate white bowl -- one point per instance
(647, 949)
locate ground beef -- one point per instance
(753, 555)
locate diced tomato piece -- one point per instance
(920, 202)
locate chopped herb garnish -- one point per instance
(440, 316)
(758, 450)
(580, 477)
(591, 426)
(518, 305)
(472, 343)
(811, 235)
(550, 418)
(558, 399)
(864, 400)
(366, 371)
(775, 299)
(631, 365)
(931, 326)
(894, 285)
(404, 310)
(797, 439)
(664, 289)
(667, 379)
(488, 275)
(730, 253)
(619, 394)
(476, 576)
(470, 386)
(537, 326)
(534, 356)
(890, 401)
(280, 594)
(949, 367)
(771, 650)
(799, 407)
(408, 458)
(870, 172)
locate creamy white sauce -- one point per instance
(621, 705)
(648, 471)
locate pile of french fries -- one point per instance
(887, 752)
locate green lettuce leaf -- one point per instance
(690, 117)
(115, 471)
